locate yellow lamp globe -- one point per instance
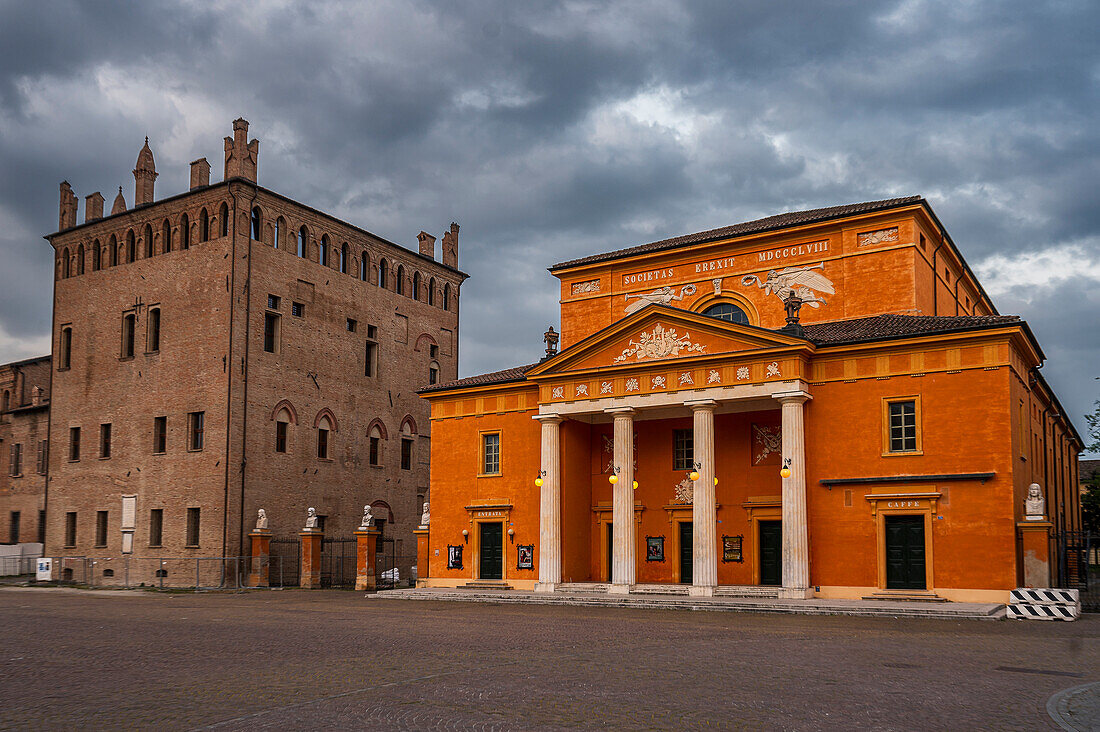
(716, 480)
(785, 472)
(613, 479)
(538, 482)
(635, 486)
(694, 475)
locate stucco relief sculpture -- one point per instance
(686, 378)
(580, 288)
(558, 393)
(742, 373)
(765, 441)
(661, 296)
(772, 369)
(658, 382)
(312, 522)
(425, 517)
(632, 384)
(1035, 506)
(660, 343)
(261, 520)
(607, 387)
(801, 281)
(714, 377)
(869, 238)
(609, 450)
(685, 491)
(716, 283)
(368, 519)
(582, 390)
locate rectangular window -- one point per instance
(101, 528)
(65, 348)
(70, 528)
(375, 447)
(273, 302)
(43, 456)
(298, 310)
(195, 429)
(160, 435)
(104, 440)
(41, 527)
(902, 417)
(156, 526)
(280, 436)
(15, 466)
(353, 324)
(322, 443)
(433, 351)
(13, 530)
(152, 328)
(271, 332)
(433, 374)
(406, 453)
(192, 527)
(683, 449)
(129, 329)
(74, 444)
(369, 359)
(490, 453)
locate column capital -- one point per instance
(701, 404)
(547, 418)
(620, 411)
(797, 397)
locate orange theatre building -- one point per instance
(816, 404)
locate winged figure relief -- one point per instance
(660, 296)
(802, 281)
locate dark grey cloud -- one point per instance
(553, 130)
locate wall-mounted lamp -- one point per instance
(511, 534)
(694, 474)
(786, 471)
(614, 477)
(635, 486)
(538, 479)
(465, 536)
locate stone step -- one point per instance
(660, 590)
(487, 585)
(587, 588)
(746, 591)
(905, 597)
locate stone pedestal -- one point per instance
(310, 571)
(260, 569)
(1035, 552)
(423, 557)
(366, 554)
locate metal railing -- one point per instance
(201, 573)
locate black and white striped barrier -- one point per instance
(1043, 604)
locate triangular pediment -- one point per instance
(660, 333)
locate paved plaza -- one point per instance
(297, 660)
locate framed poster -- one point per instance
(655, 548)
(731, 549)
(525, 556)
(454, 556)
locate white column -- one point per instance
(704, 573)
(622, 507)
(796, 543)
(550, 505)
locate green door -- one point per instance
(771, 552)
(905, 553)
(686, 529)
(491, 551)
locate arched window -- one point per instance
(185, 232)
(65, 264)
(447, 296)
(166, 237)
(131, 247)
(433, 373)
(147, 236)
(324, 427)
(374, 444)
(400, 279)
(416, 285)
(364, 266)
(283, 420)
(431, 291)
(383, 279)
(257, 224)
(223, 218)
(114, 251)
(204, 225)
(96, 254)
(280, 232)
(727, 311)
(80, 259)
(344, 258)
(302, 239)
(6, 405)
(323, 258)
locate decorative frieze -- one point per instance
(803, 281)
(882, 236)
(583, 288)
(661, 342)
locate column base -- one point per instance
(795, 593)
(620, 589)
(701, 591)
(545, 587)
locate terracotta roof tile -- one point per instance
(779, 221)
(497, 377)
(881, 327)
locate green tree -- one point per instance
(1093, 421)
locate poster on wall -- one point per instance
(731, 549)
(525, 556)
(655, 548)
(454, 556)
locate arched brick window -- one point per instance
(114, 251)
(257, 224)
(344, 258)
(166, 237)
(96, 255)
(400, 279)
(65, 264)
(185, 232)
(280, 232)
(364, 266)
(223, 219)
(323, 254)
(303, 241)
(131, 247)
(447, 296)
(147, 237)
(431, 291)
(383, 277)
(80, 259)
(416, 286)
(204, 225)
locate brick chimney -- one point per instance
(200, 173)
(66, 216)
(427, 244)
(93, 207)
(450, 247)
(241, 157)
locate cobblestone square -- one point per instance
(307, 660)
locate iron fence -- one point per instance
(11, 566)
(338, 558)
(202, 573)
(286, 551)
(1076, 565)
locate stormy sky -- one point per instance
(551, 130)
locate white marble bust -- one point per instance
(368, 519)
(426, 516)
(312, 522)
(1035, 505)
(261, 519)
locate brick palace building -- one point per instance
(815, 404)
(24, 446)
(228, 349)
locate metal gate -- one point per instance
(288, 567)
(338, 561)
(1076, 559)
(385, 564)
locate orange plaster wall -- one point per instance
(576, 501)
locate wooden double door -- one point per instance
(905, 554)
(490, 550)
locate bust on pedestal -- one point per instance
(259, 571)
(311, 537)
(366, 546)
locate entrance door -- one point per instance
(686, 529)
(771, 552)
(905, 553)
(610, 549)
(491, 551)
